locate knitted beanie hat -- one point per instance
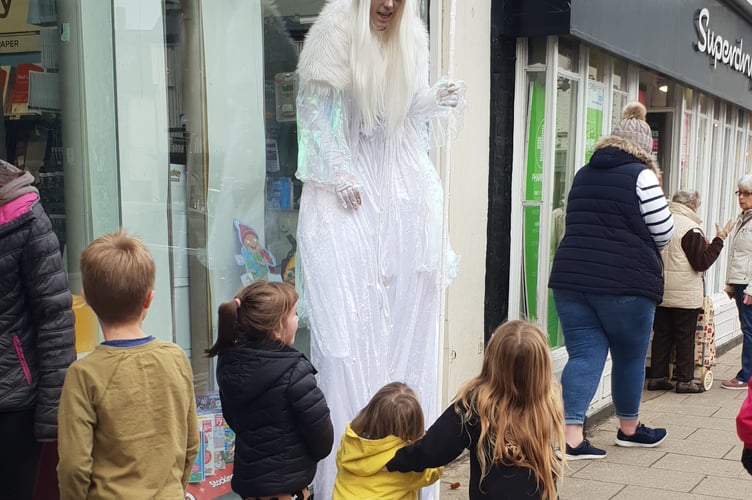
(634, 128)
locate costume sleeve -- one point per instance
(311, 411)
(324, 149)
(50, 301)
(442, 443)
(444, 122)
(75, 436)
(654, 208)
(744, 420)
(700, 254)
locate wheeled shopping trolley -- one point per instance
(705, 355)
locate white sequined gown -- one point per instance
(371, 278)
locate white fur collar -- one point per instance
(326, 54)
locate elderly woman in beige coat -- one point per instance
(739, 280)
(685, 259)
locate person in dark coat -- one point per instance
(269, 395)
(37, 340)
(607, 278)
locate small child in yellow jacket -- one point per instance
(391, 420)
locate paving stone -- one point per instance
(643, 457)
(682, 407)
(729, 411)
(711, 487)
(578, 489)
(646, 476)
(701, 465)
(695, 447)
(715, 436)
(641, 493)
(735, 453)
(722, 424)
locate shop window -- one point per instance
(700, 161)
(597, 65)
(738, 165)
(31, 129)
(721, 183)
(684, 142)
(565, 162)
(687, 95)
(594, 102)
(725, 184)
(620, 73)
(710, 182)
(748, 149)
(533, 190)
(702, 103)
(224, 174)
(536, 51)
(620, 95)
(239, 166)
(569, 54)
(656, 91)
(620, 99)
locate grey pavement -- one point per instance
(698, 460)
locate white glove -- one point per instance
(448, 95)
(348, 194)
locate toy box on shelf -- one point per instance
(212, 470)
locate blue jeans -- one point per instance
(745, 318)
(593, 324)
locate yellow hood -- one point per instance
(365, 457)
(361, 473)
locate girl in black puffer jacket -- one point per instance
(269, 394)
(37, 341)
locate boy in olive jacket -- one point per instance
(127, 419)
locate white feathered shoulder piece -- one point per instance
(326, 54)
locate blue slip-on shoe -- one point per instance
(585, 451)
(644, 437)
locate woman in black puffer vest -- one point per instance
(607, 278)
(37, 341)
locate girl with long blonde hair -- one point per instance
(510, 417)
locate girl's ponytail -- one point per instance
(227, 320)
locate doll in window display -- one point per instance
(256, 259)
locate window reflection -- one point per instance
(564, 168)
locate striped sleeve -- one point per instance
(654, 208)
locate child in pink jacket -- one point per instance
(744, 429)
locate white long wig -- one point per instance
(383, 64)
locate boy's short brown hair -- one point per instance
(117, 272)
